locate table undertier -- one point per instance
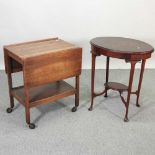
(44, 93)
(116, 86)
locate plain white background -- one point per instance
(77, 22)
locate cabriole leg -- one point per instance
(129, 89)
(140, 82)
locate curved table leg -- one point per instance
(107, 75)
(140, 81)
(92, 80)
(129, 88)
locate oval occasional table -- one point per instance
(132, 51)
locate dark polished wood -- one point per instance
(107, 75)
(140, 82)
(132, 51)
(77, 79)
(116, 86)
(92, 80)
(45, 63)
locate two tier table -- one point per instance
(45, 64)
(132, 51)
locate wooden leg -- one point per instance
(92, 80)
(10, 88)
(77, 79)
(27, 112)
(140, 82)
(77, 91)
(27, 109)
(9, 75)
(129, 89)
(107, 75)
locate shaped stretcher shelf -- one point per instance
(116, 86)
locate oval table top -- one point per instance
(118, 47)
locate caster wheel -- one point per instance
(126, 119)
(9, 110)
(32, 126)
(74, 109)
(137, 105)
(90, 109)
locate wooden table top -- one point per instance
(122, 45)
(35, 48)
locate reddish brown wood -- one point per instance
(92, 80)
(77, 91)
(122, 98)
(116, 86)
(107, 75)
(131, 51)
(122, 48)
(43, 62)
(129, 89)
(140, 82)
(101, 93)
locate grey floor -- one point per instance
(102, 131)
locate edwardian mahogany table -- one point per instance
(131, 51)
(45, 63)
